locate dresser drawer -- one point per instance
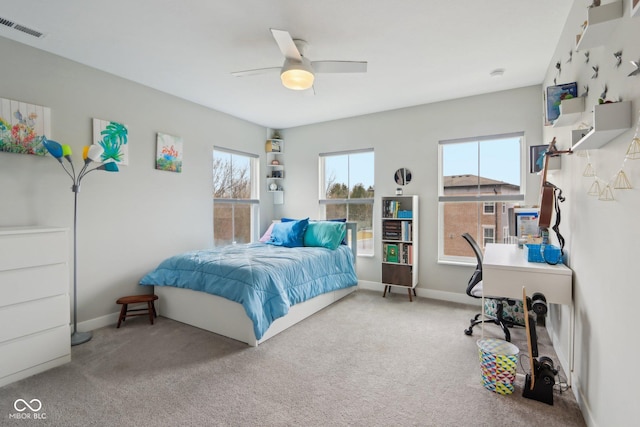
(27, 352)
(33, 316)
(28, 249)
(27, 284)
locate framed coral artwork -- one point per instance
(114, 138)
(169, 153)
(23, 127)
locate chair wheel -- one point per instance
(468, 332)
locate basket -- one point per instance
(498, 361)
(404, 214)
(542, 253)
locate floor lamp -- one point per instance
(91, 153)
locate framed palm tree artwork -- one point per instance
(113, 137)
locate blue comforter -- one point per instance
(265, 279)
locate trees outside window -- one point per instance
(347, 191)
(235, 196)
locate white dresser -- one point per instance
(34, 301)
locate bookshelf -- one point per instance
(399, 231)
(275, 169)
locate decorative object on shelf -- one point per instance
(555, 94)
(402, 176)
(275, 162)
(168, 153)
(618, 56)
(19, 132)
(637, 70)
(273, 146)
(273, 186)
(91, 153)
(596, 68)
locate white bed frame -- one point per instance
(228, 318)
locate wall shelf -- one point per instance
(570, 111)
(601, 21)
(609, 121)
(275, 169)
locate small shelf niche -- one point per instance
(601, 21)
(570, 111)
(609, 121)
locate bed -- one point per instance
(252, 292)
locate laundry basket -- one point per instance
(498, 361)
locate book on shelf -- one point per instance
(391, 252)
(390, 208)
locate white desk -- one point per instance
(505, 271)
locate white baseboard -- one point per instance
(425, 293)
(99, 322)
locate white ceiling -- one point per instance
(418, 51)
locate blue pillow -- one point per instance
(325, 234)
(344, 240)
(289, 233)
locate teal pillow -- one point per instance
(325, 234)
(289, 234)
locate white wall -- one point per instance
(130, 220)
(409, 138)
(602, 237)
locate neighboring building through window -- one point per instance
(480, 179)
(347, 190)
(235, 196)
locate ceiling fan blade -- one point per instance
(339, 66)
(255, 72)
(286, 44)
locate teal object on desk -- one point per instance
(543, 253)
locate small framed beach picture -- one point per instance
(169, 153)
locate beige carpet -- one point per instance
(364, 361)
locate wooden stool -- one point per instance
(137, 299)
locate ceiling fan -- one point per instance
(298, 72)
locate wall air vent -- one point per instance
(8, 23)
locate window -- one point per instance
(480, 179)
(489, 208)
(347, 189)
(235, 196)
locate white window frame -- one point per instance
(486, 205)
(323, 201)
(254, 200)
(442, 199)
(486, 228)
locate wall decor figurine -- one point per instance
(559, 67)
(23, 127)
(168, 153)
(586, 56)
(570, 56)
(586, 91)
(603, 95)
(618, 56)
(596, 68)
(113, 137)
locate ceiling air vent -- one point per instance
(8, 23)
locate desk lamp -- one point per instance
(90, 154)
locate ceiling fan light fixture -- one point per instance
(297, 75)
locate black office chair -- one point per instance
(503, 312)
